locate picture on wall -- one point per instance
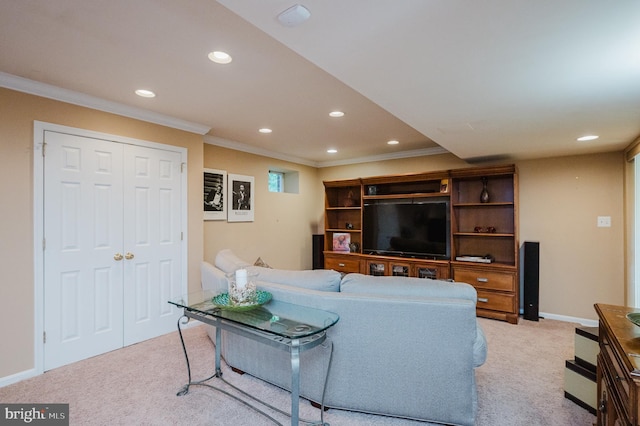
(215, 186)
(241, 204)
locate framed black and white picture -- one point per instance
(241, 203)
(215, 194)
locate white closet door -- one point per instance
(83, 313)
(113, 256)
(152, 241)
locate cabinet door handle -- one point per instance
(482, 280)
(602, 407)
(483, 299)
(341, 265)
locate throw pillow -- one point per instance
(261, 263)
(228, 262)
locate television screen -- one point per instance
(407, 227)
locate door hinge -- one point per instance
(182, 167)
(44, 337)
(44, 147)
(44, 244)
(181, 236)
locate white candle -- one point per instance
(241, 278)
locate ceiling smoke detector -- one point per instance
(294, 16)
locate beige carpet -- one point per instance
(520, 384)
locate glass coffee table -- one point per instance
(286, 326)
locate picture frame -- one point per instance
(215, 194)
(341, 241)
(241, 205)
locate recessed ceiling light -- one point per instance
(336, 114)
(393, 142)
(220, 57)
(265, 130)
(588, 138)
(332, 151)
(145, 93)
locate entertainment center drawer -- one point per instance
(341, 264)
(491, 280)
(495, 301)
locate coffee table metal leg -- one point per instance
(295, 382)
(218, 352)
(185, 388)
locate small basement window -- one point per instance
(283, 181)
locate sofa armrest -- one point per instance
(479, 347)
(228, 262)
(213, 278)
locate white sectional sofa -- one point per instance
(403, 347)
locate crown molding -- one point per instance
(383, 157)
(44, 90)
(225, 143)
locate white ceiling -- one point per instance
(482, 79)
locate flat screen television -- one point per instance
(409, 227)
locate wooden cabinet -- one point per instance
(345, 263)
(482, 222)
(401, 267)
(497, 289)
(618, 367)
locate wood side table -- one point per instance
(618, 367)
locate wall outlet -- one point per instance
(604, 221)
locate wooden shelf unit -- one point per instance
(343, 211)
(477, 228)
(487, 229)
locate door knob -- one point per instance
(117, 256)
(128, 256)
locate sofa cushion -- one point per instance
(404, 286)
(228, 262)
(316, 279)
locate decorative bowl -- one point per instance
(222, 301)
(634, 317)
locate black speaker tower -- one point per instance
(531, 280)
(318, 248)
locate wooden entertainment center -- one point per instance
(483, 231)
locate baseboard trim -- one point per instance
(18, 377)
(582, 321)
(33, 372)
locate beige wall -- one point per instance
(560, 200)
(284, 223)
(18, 111)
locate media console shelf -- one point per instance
(482, 230)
